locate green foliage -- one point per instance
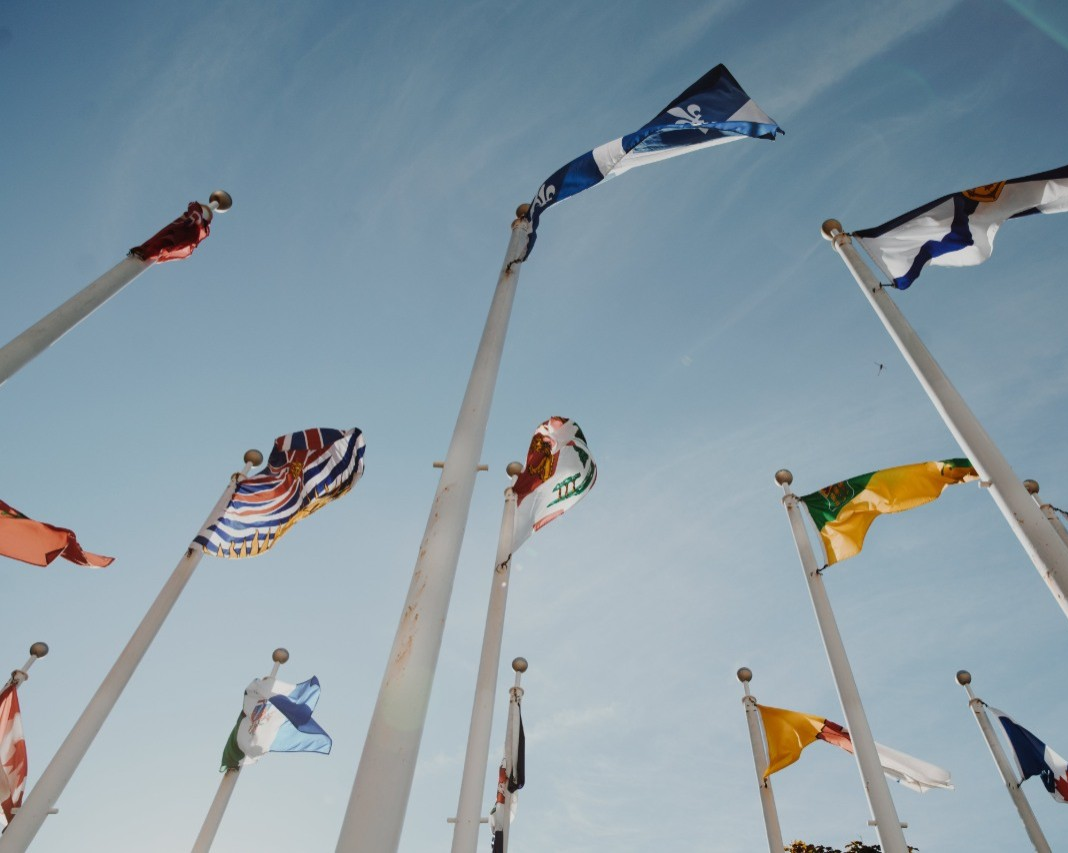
(851, 847)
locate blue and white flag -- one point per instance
(712, 111)
(958, 230)
(275, 717)
(1034, 758)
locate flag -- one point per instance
(305, 471)
(558, 474)
(510, 778)
(712, 111)
(1034, 758)
(958, 230)
(12, 754)
(844, 512)
(789, 732)
(179, 239)
(37, 543)
(517, 761)
(276, 717)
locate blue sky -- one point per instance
(688, 316)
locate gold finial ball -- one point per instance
(1031, 486)
(253, 457)
(38, 650)
(745, 674)
(783, 477)
(519, 664)
(514, 469)
(829, 228)
(280, 655)
(523, 211)
(964, 677)
(223, 200)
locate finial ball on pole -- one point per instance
(519, 664)
(829, 228)
(38, 650)
(522, 211)
(1031, 486)
(253, 457)
(745, 674)
(783, 477)
(280, 655)
(514, 469)
(964, 677)
(223, 200)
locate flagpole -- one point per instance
(1043, 546)
(375, 814)
(24, 827)
(1008, 775)
(760, 762)
(214, 817)
(20, 676)
(1047, 510)
(41, 335)
(511, 741)
(887, 823)
(473, 780)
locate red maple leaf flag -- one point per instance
(37, 543)
(12, 754)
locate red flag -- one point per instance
(37, 543)
(178, 239)
(12, 754)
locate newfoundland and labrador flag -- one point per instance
(844, 512)
(559, 472)
(712, 111)
(12, 754)
(276, 717)
(38, 544)
(958, 230)
(1034, 758)
(305, 471)
(789, 732)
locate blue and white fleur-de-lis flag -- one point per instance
(958, 230)
(712, 111)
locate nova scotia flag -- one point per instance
(1034, 758)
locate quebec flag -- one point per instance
(958, 230)
(1034, 758)
(712, 111)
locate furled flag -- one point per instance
(496, 824)
(179, 239)
(276, 717)
(844, 512)
(37, 543)
(958, 230)
(1034, 758)
(712, 111)
(558, 474)
(789, 732)
(305, 471)
(510, 778)
(12, 754)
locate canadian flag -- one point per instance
(12, 754)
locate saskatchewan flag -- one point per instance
(844, 512)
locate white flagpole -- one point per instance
(473, 781)
(25, 825)
(1008, 775)
(20, 676)
(887, 823)
(228, 782)
(1047, 510)
(375, 814)
(511, 744)
(760, 761)
(1043, 546)
(41, 335)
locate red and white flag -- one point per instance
(12, 754)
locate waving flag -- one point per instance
(12, 754)
(712, 111)
(276, 717)
(558, 474)
(37, 543)
(844, 512)
(789, 732)
(305, 471)
(179, 239)
(1034, 758)
(958, 230)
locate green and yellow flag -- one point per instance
(844, 512)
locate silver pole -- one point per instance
(20, 676)
(760, 762)
(375, 814)
(511, 740)
(1008, 776)
(25, 825)
(1047, 510)
(214, 817)
(887, 823)
(1043, 546)
(473, 781)
(45, 332)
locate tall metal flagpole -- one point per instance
(760, 761)
(887, 823)
(228, 782)
(511, 744)
(1040, 541)
(375, 814)
(45, 332)
(1008, 776)
(473, 781)
(25, 825)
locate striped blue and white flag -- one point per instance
(958, 230)
(275, 717)
(1034, 758)
(305, 471)
(712, 111)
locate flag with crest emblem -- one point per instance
(275, 717)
